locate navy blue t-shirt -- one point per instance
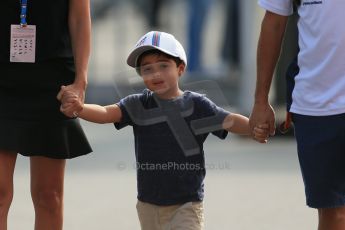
(169, 137)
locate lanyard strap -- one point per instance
(23, 6)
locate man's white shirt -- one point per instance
(320, 85)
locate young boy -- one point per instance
(170, 127)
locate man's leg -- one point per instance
(321, 147)
(332, 218)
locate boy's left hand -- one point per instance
(261, 133)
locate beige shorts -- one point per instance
(188, 216)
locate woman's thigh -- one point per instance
(47, 174)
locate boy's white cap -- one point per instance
(162, 41)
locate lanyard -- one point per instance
(23, 6)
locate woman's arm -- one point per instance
(79, 22)
(80, 31)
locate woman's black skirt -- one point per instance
(30, 119)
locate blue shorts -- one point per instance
(321, 153)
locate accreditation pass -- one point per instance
(23, 43)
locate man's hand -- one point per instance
(262, 114)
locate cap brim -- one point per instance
(133, 56)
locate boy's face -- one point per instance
(161, 75)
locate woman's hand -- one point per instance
(72, 99)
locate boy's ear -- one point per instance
(181, 69)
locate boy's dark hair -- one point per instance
(177, 60)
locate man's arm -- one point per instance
(269, 46)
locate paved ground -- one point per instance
(248, 186)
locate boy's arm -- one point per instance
(90, 112)
(101, 114)
(239, 124)
(236, 123)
